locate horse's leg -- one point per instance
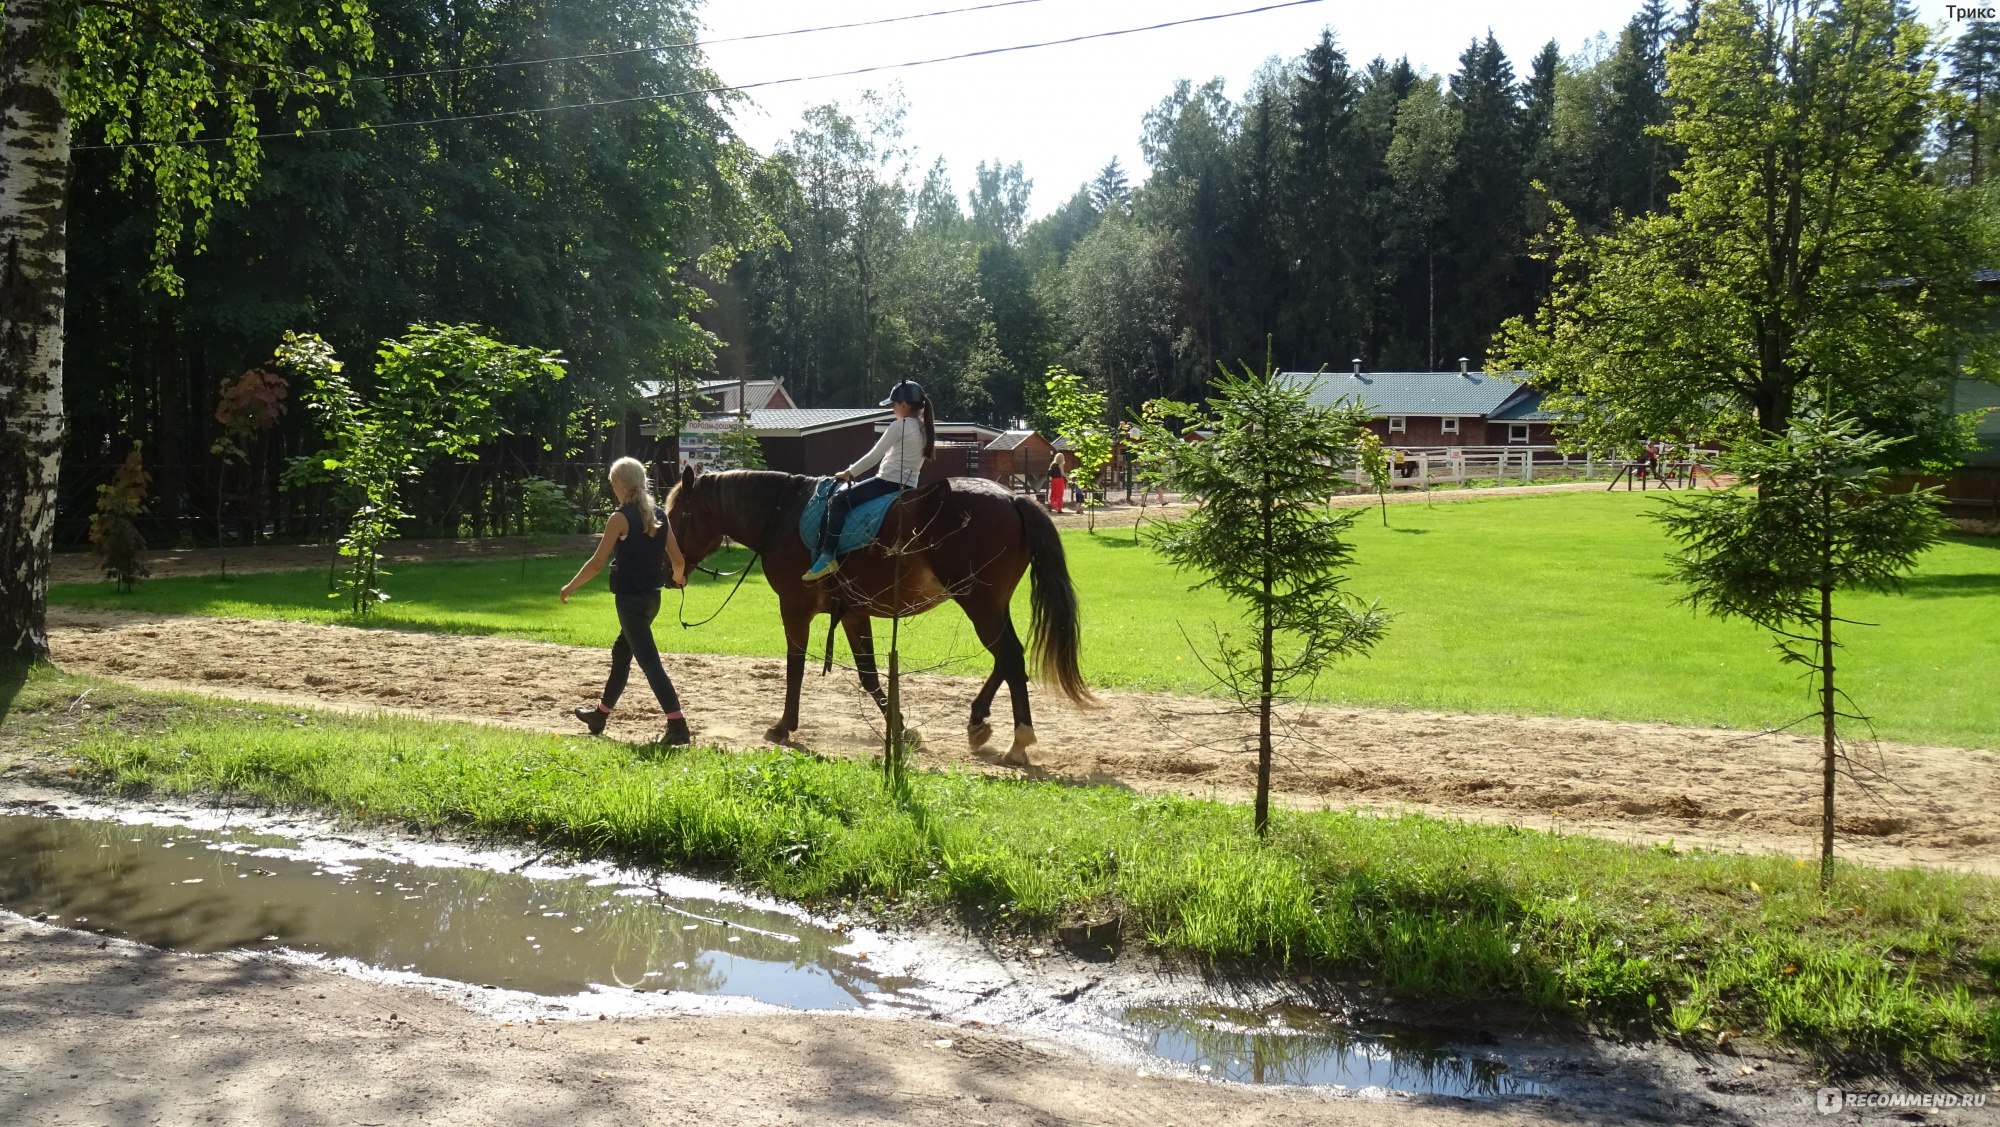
(978, 732)
(861, 642)
(798, 623)
(991, 617)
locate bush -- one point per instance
(114, 536)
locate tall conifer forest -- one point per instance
(1337, 207)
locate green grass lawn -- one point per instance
(1896, 966)
(1553, 605)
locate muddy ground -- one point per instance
(1628, 781)
(100, 1031)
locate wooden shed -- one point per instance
(1019, 460)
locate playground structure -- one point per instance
(1424, 467)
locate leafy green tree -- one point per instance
(600, 234)
(379, 442)
(149, 77)
(1080, 417)
(937, 211)
(738, 448)
(1118, 303)
(1374, 458)
(1263, 534)
(1810, 516)
(1804, 261)
(998, 202)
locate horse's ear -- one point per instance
(687, 477)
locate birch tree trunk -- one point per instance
(34, 184)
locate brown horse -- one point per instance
(965, 540)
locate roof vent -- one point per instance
(1357, 365)
(1462, 362)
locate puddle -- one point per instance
(461, 919)
(206, 890)
(1294, 1045)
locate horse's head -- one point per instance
(691, 516)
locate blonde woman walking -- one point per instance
(644, 557)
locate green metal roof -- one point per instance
(1467, 395)
(1523, 408)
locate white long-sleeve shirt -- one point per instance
(900, 451)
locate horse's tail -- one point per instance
(1053, 631)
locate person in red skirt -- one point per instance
(1056, 475)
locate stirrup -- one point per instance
(822, 567)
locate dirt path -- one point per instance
(81, 567)
(1640, 782)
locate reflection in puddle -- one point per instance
(1295, 1045)
(213, 890)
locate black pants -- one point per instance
(636, 612)
(844, 502)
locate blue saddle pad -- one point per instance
(862, 524)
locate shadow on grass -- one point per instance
(13, 678)
(1952, 586)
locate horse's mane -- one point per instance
(748, 491)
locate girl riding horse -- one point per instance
(964, 540)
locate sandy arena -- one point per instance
(1627, 781)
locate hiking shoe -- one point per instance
(677, 734)
(593, 718)
(822, 567)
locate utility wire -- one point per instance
(686, 43)
(983, 52)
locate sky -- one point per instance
(1064, 111)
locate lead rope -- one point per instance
(742, 573)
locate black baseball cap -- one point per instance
(908, 391)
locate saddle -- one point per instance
(864, 522)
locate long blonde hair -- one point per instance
(629, 474)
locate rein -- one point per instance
(741, 573)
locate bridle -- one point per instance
(740, 574)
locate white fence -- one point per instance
(1422, 467)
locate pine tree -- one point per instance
(1109, 192)
(1975, 77)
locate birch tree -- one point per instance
(183, 90)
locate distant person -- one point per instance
(1057, 474)
(909, 442)
(644, 558)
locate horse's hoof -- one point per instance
(979, 735)
(1017, 755)
(777, 734)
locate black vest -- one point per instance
(639, 562)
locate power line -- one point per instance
(397, 75)
(983, 52)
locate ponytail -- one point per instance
(631, 473)
(930, 429)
